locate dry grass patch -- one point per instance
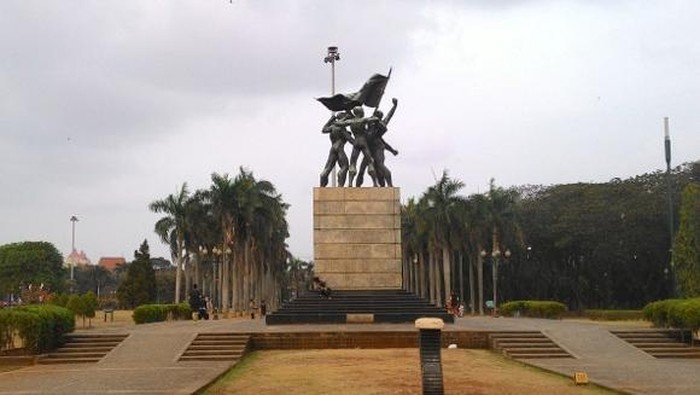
(386, 371)
(8, 368)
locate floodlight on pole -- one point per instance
(332, 56)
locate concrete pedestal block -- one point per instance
(357, 237)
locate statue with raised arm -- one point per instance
(359, 127)
(377, 127)
(338, 136)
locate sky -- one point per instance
(108, 106)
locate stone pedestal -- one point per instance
(357, 237)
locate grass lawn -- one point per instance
(387, 371)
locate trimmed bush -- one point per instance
(533, 308)
(614, 315)
(41, 327)
(160, 312)
(674, 313)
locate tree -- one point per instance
(686, 246)
(442, 202)
(139, 287)
(171, 228)
(77, 305)
(30, 263)
(90, 306)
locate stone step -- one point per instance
(86, 354)
(535, 350)
(694, 354)
(540, 356)
(661, 345)
(223, 343)
(524, 344)
(85, 349)
(51, 361)
(236, 353)
(210, 358)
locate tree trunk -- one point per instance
(178, 272)
(461, 277)
(472, 291)
(480, 280)
(447, 272)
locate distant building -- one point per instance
(111, 263)
(76, 259)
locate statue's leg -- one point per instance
(361, 172)
(353, 164)
(371, 170)
(343, 165)
(383, 172)
(329, 166)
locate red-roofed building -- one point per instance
(111, 263)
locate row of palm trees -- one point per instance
(443, 231)
(229, 239)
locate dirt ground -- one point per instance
(387, 371)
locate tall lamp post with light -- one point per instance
(495, 257)
(332, 57)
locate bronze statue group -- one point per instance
(366, 135)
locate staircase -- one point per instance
(216, 347)
(661, 343)
(82, 348)
(526, 345)
(357, 306)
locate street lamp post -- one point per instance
(495, 256)
(332, 56)
(73, 220)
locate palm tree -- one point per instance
(172, 227)
(477, 209)
(223, 198)
(443, 202)
(502, 217)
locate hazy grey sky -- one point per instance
(107, 106)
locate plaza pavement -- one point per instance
(146, 362)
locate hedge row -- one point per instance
(160, 312)
(41, 327)
(533, 308)
(613, 315)
(674, 313)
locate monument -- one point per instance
(357, 231)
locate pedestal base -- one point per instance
(357, 237)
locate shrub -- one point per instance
(675, 313)
(613, 315)
(657, 312)
(533, 308)
(160, 312)
(41, 327)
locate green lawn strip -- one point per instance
(235, 372)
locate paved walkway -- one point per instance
(146, 362)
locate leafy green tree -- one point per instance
(139, 287)
(686, 246)
(30, 263)
(172, 227)
(77, 305)
(90, 305)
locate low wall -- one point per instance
(361, 339)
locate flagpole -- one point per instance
(332, 57)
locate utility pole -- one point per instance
(332, 57)
(73, 220)
(669, 191)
